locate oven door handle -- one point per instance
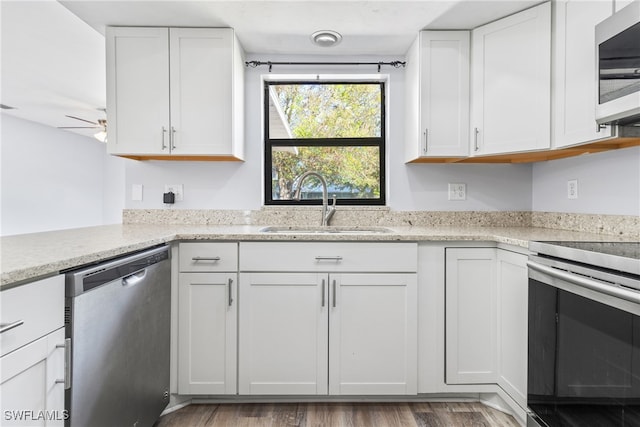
(585, 282)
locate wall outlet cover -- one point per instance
(457, 191)
(177, 189)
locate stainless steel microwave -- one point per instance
(618, 62)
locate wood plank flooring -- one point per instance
(448, 414)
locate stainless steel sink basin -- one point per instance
(324, 230)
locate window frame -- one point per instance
(269, 143)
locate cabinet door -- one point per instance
(511, 72)
(512, 319)
(373, 334)
(438, 65)
(283, 333)
(207, 331)
(471, 316)
(574, 71)
(138, 90)
(201, 91)
(31, 383)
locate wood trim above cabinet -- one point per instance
(186, 158)
(540, 156)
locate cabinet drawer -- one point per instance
(208, 256)
(39, 306)
(328, 256)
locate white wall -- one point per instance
(54, 179)
(608, 183)
(222, 185)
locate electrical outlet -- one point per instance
(572, 189)
(176, 189)
(457, 191)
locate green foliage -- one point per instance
(331, 111)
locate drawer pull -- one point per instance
(201, 258)
(4, 327)
(328, 258)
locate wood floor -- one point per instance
(338, 415)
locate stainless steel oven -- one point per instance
(584, 334)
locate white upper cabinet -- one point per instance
(574, 71)
(510, 85)
(437, 95)
(174, 92)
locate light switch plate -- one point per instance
(136, 192)
(457, 191)
(572, 189)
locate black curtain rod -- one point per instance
(254, 64)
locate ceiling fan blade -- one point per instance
(78, 118)
(79, 127)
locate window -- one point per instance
(333, 128)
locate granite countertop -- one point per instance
(30, 256)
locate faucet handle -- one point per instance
(333, 205)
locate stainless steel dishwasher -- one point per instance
(118, 319)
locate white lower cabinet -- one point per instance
(32, 362)
(471, 316)
(207, 318)
(32, 383)
(513, 296)
(486, 319)
(207, 333)
(284, 330)
(319, 332)
(373, 334)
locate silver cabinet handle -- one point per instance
(475, 139)
(328, 258)
(202, 258)
(164, 131)
(334, 293)
(67, 364)
(172, 139)
(426, 140)
(323, 284)
(4, 327)
(586, 282)
(230, 289)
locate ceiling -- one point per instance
(52, 57)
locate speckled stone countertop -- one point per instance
(30, 256)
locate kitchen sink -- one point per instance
(324, 230)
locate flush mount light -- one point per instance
(326, 38)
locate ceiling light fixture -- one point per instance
(102, 135)
(326, 38)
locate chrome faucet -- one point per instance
(327, 211)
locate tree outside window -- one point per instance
(333, 128)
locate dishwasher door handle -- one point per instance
(135, 278)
